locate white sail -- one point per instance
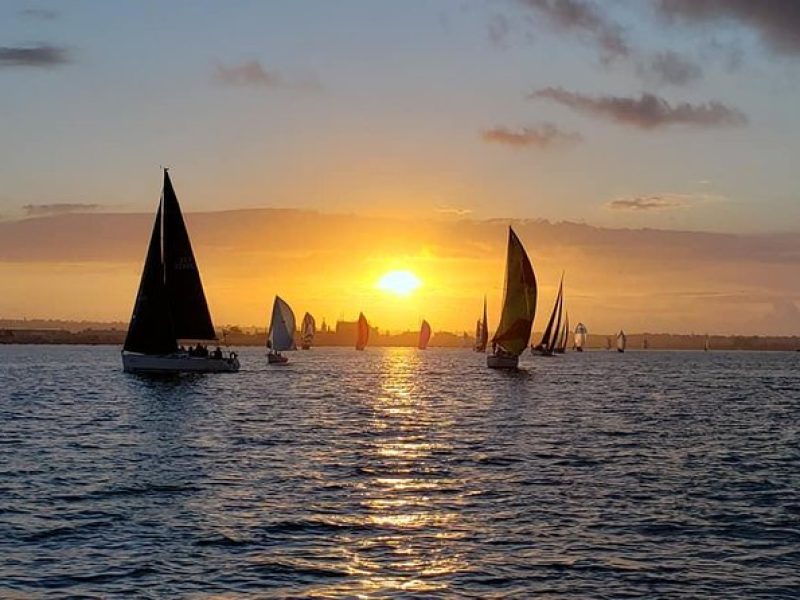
(281, 327)
(580, 336)
(622, 341)
(307, 330)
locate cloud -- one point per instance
(646, 203)
(776, 21)
(670, 68)
(253, 74)
(648, 111)
(41, 210)
(541, 136)
(453, 210)
(585, 18)
(41, 14)
(42, 55)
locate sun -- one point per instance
(401, 283)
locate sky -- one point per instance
(622, 116)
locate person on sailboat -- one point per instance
(217, 352)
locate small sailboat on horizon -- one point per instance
(482, 331)
(362, 332)
(280, 337)
(424, 335)
(171, 304)
(519, 308)
(308, 329)
(707, 344)
(622, 341)
(580, 337)
(552, 332)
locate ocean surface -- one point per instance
(401, 473)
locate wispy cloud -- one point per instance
(670, 68)
(41, 210)
(541, 136)
(42, 55)
(647, 111)
(585, 18)
(453, 210)
(41, 14)
(777, 22)
(646, 203)
(253, 74)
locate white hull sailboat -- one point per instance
(519, 308)
(280, 337)
(580, 337)
(171, 304)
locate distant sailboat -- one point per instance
(551, 336)
(580, 337)
(307, 331)
(622, 341)
(519, 308)
(564, 340)
(482, 331)
(424, 335)
(280, 337)
(362, 337)
(170, 304)
(645, 344)
(707, 344)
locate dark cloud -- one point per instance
(671, 68)
(776, 21)
(648, 111)
(585, 18)
(41, 210)
(253, 74)
(542, 136)
(42, 55)
(646, 203)
(41, 14)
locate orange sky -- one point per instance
(87, 266)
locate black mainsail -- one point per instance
(187, 301)
(150, 330)
(550, 334)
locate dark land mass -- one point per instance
(344, 334)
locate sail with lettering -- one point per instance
(424, 335)
(170, 303)
(519, 307)
(362, 335)
(307, 331)
(580, 336)
(622, 341)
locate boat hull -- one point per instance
(178, 363)
(502, 361)
(277, 359)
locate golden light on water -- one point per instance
(400, 283)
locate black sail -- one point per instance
(187, 301)
(150, 330)
(546, 336)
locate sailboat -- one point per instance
(564, 339)
(550, 338)
(707, 344)
(170, 304)
(519, 308)
(622, 341)
(307, 331)
(482, 331)
(424, 335)
(580, 336)
(280, 336)
(362, 337)
(645, 344)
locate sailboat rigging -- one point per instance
(171, 304)
(519, 308)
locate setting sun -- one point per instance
(401, 283)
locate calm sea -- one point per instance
(401, 473)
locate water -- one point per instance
(399, 473)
